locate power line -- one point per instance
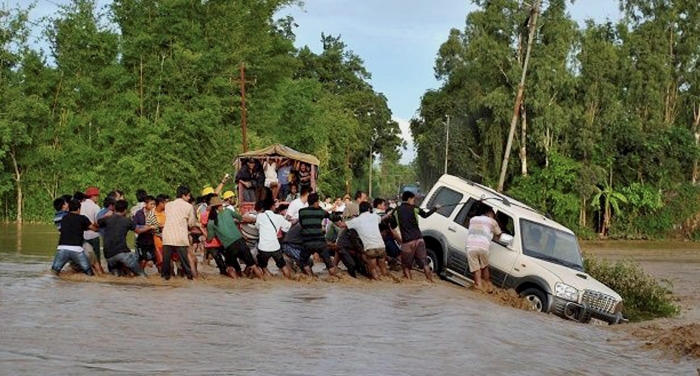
(54, 3)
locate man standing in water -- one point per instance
(270, 224)
(221, 224)
(311, 221)
(117, 253)
(482, 229)
(70, 243)
(145, 245)
(367, 227)
(413, 246)
(90, 208)
(180, 218)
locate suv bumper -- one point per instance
(582, 312)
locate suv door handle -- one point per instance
(451, 228)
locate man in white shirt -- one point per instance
(298, 204)
(367, 227)
(270, 226)
(90, 208)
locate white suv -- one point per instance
(536, 256)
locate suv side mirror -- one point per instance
(506, 239)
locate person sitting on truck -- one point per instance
(293, 193)
(413, 246)
(482, 229)
(304, 176)
(252, 178)
(284, 168)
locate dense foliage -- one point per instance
(143, 94)
(608, 138)
(644, 297)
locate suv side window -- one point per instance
(469, 210)
(446, 197)
(506, 223)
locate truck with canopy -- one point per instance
(275, 152)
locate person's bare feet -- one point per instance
(231, 273)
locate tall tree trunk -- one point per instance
(523, 140)
(18, 184)
(582, 213)
(160, 87)
(519, 96)
(141, 89)
(671, 100)
(606, 217)
(547, 146)
(348, 170)
(696, 134)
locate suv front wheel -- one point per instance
(432, 260)
(536, 298)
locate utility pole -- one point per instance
(447, 141)
(244, 112)
(519, 97)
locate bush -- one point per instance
(680, 204)
(643, 296)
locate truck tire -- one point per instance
(536, 298)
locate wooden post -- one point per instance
(244, 125)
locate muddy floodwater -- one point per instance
(78, 325)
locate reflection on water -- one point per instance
(77, 325)
(35, 240)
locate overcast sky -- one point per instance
(397, 39)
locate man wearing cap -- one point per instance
(252, 178)
(207, 194)
(229, 198)
(90, 208)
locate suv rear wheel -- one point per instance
(536, 298)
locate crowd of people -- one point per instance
(288, 224)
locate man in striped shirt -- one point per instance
(482, 230)
(181, 217)
(311, 221)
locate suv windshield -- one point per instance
(549, 244)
